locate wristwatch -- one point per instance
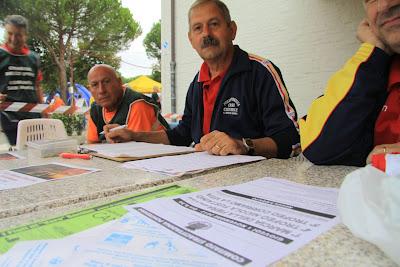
(249, 145)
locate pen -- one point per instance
(116, 128)
(75, 156)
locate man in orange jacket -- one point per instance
(116, 104)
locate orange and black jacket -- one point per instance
(339, 126)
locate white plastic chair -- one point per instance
(39, 129)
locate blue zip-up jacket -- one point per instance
(252, 102)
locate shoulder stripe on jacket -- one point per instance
(290, 112)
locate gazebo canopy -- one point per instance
(144, 84)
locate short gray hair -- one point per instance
(16, 20)
(221, 6)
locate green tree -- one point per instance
(75, 33)
(156, 73)
(128, 79)
(152, 44)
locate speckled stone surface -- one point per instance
(111, 180)
(337, 247)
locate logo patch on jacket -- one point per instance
(231, 107)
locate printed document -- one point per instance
(251, 224)
(188, 163)
(133, 240)
(25, 176)
(10, 156)
(255, 223)
(79, 221)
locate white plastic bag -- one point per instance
(369, 205)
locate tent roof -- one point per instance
(144, 84)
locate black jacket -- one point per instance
(252, 103)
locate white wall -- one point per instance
(307, 39)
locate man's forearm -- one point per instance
(159, 137)
(265, 147)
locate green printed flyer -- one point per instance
(75, 222)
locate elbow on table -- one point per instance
(320, 156)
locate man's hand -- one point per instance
(366, 35)
(3, 98)
(219, 143)
(117, 136)
(385, 149)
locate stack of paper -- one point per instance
(188, 163)
(252, 224)
(136, 150)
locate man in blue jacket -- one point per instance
(236, 104)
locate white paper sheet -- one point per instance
(252, 224)
(10, 156)
(29, 175)
(133, 240)
(43, 253)
(258, 222)
(136, 149)
(9, 179)
(188, 163)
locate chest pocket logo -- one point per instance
(231, 107)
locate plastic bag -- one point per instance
(369, 205)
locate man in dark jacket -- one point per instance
(20, 74)
(236, 104)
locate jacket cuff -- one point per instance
(284, 144)
(176, 139)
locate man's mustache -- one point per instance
(209, 41)
(393, 12)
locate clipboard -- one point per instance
(125, 159)
(151, 151)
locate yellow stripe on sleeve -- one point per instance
(338, 87)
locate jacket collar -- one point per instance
(240, 63)
(24, 51)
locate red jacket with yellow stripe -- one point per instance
(339, 126)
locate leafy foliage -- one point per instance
(155, 75)
(152, 44)
(72, 122)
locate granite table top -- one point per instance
(337, 247)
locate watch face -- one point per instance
(249, 143)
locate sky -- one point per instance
(134, 60)
(146, 12)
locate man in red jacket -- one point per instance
(359, 113)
